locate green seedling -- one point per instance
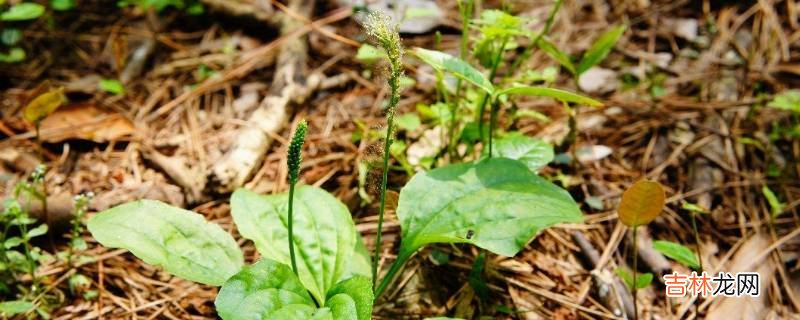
(17, 255)
(379, 26)
(678, 252)
(328, 280)
(694, 210)
(460, 69)
(596, 53)
(640, 205)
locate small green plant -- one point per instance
(498, 204)
(594, 55)
(640, 205)
(459, 68)
(328, 280)
(694, 210)
(17, 255)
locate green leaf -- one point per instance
(259, 291)
(677, 252)
(112, 86)
(23, 11)
(324, 234)
(461, 69)
(62, 5)
(11, 308)
(534, 153)
(38, 231)
(787, 100)
(551, 50)
(361, 264)
(558, 94)
(44, 104)
(180, 241)
(642, 280)
(12, 242)
(15, 54)
(11, 36)
(776, 207)
(351, 299)
(600, 49)
(497, 204)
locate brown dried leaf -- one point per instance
(85, 121)
(641, 203)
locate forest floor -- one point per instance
(685, 90)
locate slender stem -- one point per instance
(492, 122)
(699, 257)
(291, 227)
(635, 258)
(492, 73)
(394, 83)
(697, 241)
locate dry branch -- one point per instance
(289, 85)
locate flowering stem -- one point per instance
(293, 160)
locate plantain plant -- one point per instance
(640, 205)
(497, 203)
(328, 278)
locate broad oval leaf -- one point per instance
(551, 50)
(557, 94)
(357, 289)
(23, 11)
(677, 252)
(261, 290)
(600, 48)
(324, 234)
(641, 203)
(44, 104)
(497, 204)
(444, 62)
(180, 241)
(534, 153)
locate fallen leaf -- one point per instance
(641, 203)
(85, 121)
